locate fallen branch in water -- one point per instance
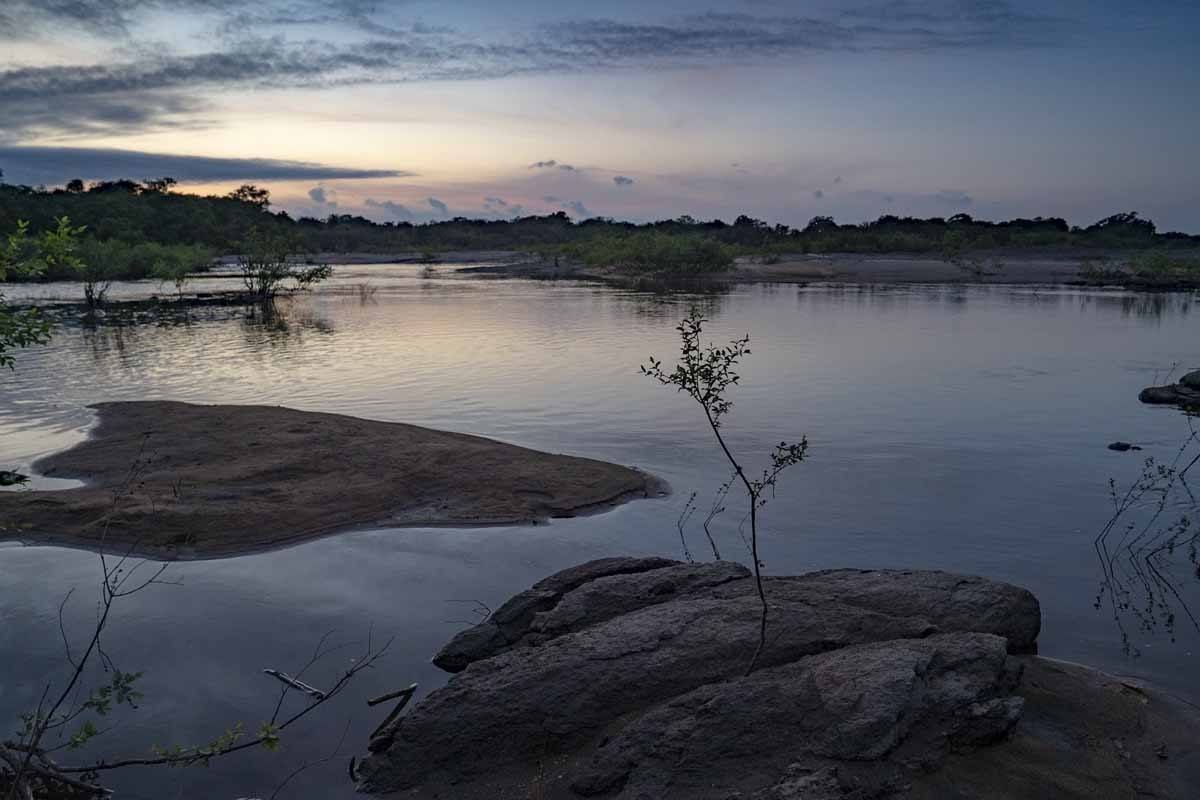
(382, 736)
(299, 686)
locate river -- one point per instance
(950, 427)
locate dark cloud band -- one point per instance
(54, 165)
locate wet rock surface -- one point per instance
(626, 678)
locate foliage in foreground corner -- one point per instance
(22, 256)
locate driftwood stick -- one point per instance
(299, 686)
(383, 698)
(381, 737)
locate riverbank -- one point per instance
(1044, 266)
(175, 480)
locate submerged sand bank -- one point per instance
(176, 480)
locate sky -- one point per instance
(780, 109)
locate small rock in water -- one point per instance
(10, 478)
(1123, 447)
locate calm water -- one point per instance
(953, 428)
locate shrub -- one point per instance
(652, 251)
(268, 265)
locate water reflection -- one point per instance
(1144, 305)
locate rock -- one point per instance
(11, 478)
(907, 702)
(802, 783)
(511, 622)
(1176, 394)
(1123, 447)
(1064, 747)
(614, 648)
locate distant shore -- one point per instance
(1049, 266)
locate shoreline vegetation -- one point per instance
(144, 230)
(171, 480)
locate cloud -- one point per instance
(155, 87)
(438, 206)
(954, 198)
(553, 200)
(577, 209)
(500, 207)
(392, 209)
(837, 180)
(112, 18)
(52, 165)
(621, 180)
(551, 164)
(818, 194)
(98, 115)
(319, 196)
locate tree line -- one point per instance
(150, 212)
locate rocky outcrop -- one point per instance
(1185, 393)
(628, 676)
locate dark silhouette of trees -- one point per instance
(159, 185)
(254, 195)
(123, 214)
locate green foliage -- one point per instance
(17, 258)
(268, 265)
(1159, 266)
(83, 735)
(23, 258)
(58, 246)
(181, 756)
(268, 732)
(1151, 269)
(654, 251)
(119, 691)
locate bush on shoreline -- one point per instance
(1150, 269)
(651, 251)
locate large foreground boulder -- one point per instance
(626, 678)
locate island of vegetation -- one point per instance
(177, 480)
